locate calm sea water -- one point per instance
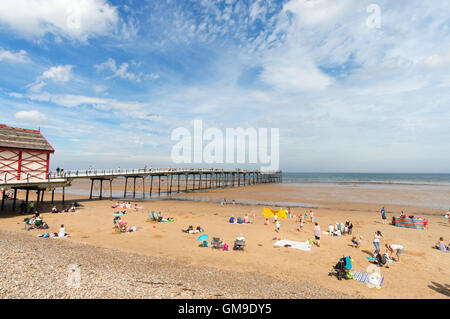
(375, 178)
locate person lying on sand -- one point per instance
(440, 245)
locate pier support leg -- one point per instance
(125, 191)
(53, 196)
(101, 189)
(178, 180)
(159, 186)
(38, 195)
(26, 200)
(151, 185)
(143, 187)
(15, 199)
(193, 182)
(200, 182)
(170, 188)
(63, 195)
(3, 199)
(110, 189)
(186, 182)
(92, 187)
(134, 188)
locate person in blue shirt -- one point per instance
(231, 220)
(383, 215)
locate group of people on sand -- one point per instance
(62, 233)
(396, 249)
(340, 229)
(123, 226)
(128, 205)
(239, 220)
(224, 202)
(191, 230)
(72, 209)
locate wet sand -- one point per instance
(92, 225)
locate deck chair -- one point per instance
(239, 244)
(216, 243)
(151, 217)
(117, 228)
(204, 244)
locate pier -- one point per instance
(177, 181)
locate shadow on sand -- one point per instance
(442, 289)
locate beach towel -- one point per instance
(305, 246)
(374, 259)
(365, 277)
(270, 213)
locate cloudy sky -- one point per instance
(353, 85)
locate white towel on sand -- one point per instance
(305, 246)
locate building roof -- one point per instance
(19, 138)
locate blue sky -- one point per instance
(108, 81)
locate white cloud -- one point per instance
(123, 73)
(30, 116)
(16, 57)
(73, 19)
(16, 95)
(60, 73)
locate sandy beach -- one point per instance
(422, 273)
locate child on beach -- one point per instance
(317, 234)
(311, 215)
(301, 222)
(275, 218)
(356, 242)
(266, 222)
(277, 229)
(440, 245)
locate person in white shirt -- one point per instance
(317, 234)
(278, 227)
(395, 248)
(62, 232)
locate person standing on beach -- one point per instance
(277, 229)
(376, 242)
(311, 215)
(275, 218)
(317, 234)
(383, 215)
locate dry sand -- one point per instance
(422, 273)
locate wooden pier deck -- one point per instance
(177, 180)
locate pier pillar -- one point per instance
(101, 188)
(92, 187)
(200, 182)
(143, 187)
(151, 185)
(38, 193)
(3, 199)
(178, 181)
(63, 195)
(110, 189)
(14, 200)
(186, 181)
(193, 182)
(42, 196)
(170, 189)
(159, 185)
(134, 187)
(26, 199)
(53, 195)
(125, 190)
